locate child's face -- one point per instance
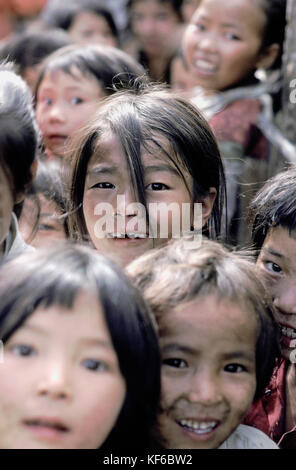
(64, 104)
(61, 386)
(277, 269)
(90, 28)
(6, 205)
(182, 80)
(107, 178)
(208, 372)
(222, 42)
(188, 8)
(154, 24)
(50, 227)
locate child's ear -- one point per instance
(207, 205)
(21, 195)
(268, 56)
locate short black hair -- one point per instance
(111, 67)
(274, 205)
(30, 48)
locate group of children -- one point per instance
(124, 337)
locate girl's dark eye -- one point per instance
(46, 227)
(92, 364)
(22, 350)
(200, 27)
(76, 100)
(47, 101)
(104, 185)
(234, 368)
(273, 267)
(232, 36)
(174, 362)
(157, 186)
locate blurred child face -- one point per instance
(6, 205)
(90, 28)
(109, 177)
(61, 386)
(277, 269)
(182, 81)
(222, 42)
(50, 227)
(208, 372)
(154, 24)
(64, 104)
(188, 8)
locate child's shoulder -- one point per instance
(247, 437)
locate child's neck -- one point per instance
(290, 418)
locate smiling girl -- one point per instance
(224, 45)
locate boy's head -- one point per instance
(18, 143)
(273, 215)
(215, 328)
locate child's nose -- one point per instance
(285, 300)
(56, 113)
(54, 382)
(126, 202)
(204, 390)
(208, 43)
(147, 27)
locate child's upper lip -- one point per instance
(286, 325)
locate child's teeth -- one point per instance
(199, 427)
(289, 332)
(205, 65)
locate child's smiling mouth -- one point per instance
(199, 428)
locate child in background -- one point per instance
(71, 83)
(182, 80)
(188, 8)
(86, 22)
(27, 51)
(217, 341)
(157, 29)
(19, 140)
(43, 216)
(224, 45)
(137, 171)
(273, 217)
(81, 358)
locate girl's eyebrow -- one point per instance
(102, 170)
(96, 342)
(155, 168)
(175, 347)
(270, 251)
(34, 329)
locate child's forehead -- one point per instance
(156, 148)
(207, 315)
(280, 241)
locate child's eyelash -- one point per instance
(22, 350)
(103, 185)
